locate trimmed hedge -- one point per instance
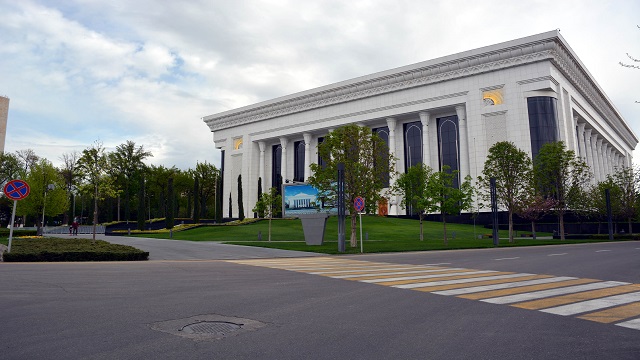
(57, 249)
(4, 232)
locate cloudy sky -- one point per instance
(78, 71)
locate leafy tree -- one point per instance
(11, 167)
(94, 165)
(208, 175)
(141, 203)
(416, 188)
(126, 164)
(512, 169)
(365, 168)
(219, 200)
(562, 176)
(533, 207)
(196, 201)
(626, 179)
(28, 159)
(170, 219)
(72, 177)
(450, 200)
(269, 204)
(240, 204)
(55, 202)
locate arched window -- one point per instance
(412, 144)
(543, 121)
(383, 133)
(298, 161)
(449, 147)
(276, 168)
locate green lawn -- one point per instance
(384, 235)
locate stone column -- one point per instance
(600, 173)
(609, 168)
(426, 154)
(307, 155)
(393, 200)
(464, 142)
(597, 174)
(583, 151)
(589, 150)
(283, 166)
(262, 147)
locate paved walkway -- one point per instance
(160, 249)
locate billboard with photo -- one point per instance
(301, 198)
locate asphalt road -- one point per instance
(133, 310)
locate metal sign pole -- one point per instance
(341, 208)
(361, 246)
(13, 217)
(494, 210)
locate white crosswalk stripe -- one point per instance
(620, 300)
(555, 292)
(592, 305)
(476, 289)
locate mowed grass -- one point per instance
(384, 235)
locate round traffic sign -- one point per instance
(358, 203)
(17, 189)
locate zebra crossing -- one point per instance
(610, 302)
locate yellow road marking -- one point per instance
(444, 278)
(573, 298)
(481, 283)
(614, 314)
(524, 289)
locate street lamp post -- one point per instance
(44, 205)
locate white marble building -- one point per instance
(448, 110)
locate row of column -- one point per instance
(262, 146)
(425, 118)
(601, 157)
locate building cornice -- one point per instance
(544, 47)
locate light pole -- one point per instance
(49, 188)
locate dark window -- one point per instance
(221, 190)
(321, 162)
(543, 122)
(412, 144)
(448, 141)
(578, 142)
(383, 132)
(298, 161)
(276, 168)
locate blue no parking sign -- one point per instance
(17, 189)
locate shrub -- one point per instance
(56, 249)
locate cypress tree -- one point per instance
(219, 200)
(141, 204)
(240, 202)
(170, 219)
(196, 201)
(260, 213)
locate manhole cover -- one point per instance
(211, 327)
(207, 327)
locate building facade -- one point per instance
(446, 111)
(4, 116)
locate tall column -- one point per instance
(583, 151)
(597, 174)
(393, 201)
(307, 155)
(589, 151)
(464, 142)
(283, 166)
(602, 151)
(599, 156)
(426, 154)
(609, 168)
(262, 147)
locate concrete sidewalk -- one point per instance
(162, 249)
